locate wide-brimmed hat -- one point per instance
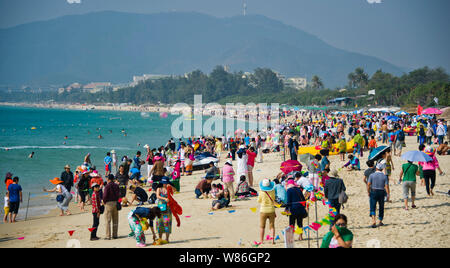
(266, 185)
(229, 162)
(67, 166)
(429, 150)
(56, 181)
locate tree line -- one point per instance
(419, 86)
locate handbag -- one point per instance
(162, 206)
(59, 198)
(119, 206)
(343, 198)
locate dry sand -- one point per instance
(425, 226)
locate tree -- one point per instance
(316, 82)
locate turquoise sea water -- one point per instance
(82, 129)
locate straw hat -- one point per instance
(67, 166)
(56, 181)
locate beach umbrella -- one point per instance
(376, 152)
(401, 113)
(305, 158)
(290, 165)
(432, 111)
(392, 118)
(416, 156)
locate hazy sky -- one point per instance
(408, 33)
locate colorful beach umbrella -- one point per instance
(290, 165)
(416, 156)
(432, 111)
(377, 152)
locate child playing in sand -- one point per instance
(215, 190)
(342, 148)
(223, 200)
(353, 163)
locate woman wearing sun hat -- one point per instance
(266, 198)
(63, 204)
(429, 170)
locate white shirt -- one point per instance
(304, 182)
(6, 202)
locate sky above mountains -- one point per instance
(407, 33)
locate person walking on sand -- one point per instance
(228, 177)
(266, 198)
(111, 195)
(429, 170)
(15, 198)
(250, 164)
(67, 178)
(409, 172)
(164, 223)
(377, 186)
(108, 163)
(96, 202)
(293, 205)
(63, 196)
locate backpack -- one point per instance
(401, 135)
(343, 198)
(422, 132)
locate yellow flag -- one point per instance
(253, 210)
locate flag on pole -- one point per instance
(372, 92)
(436, 100)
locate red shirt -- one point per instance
(95, 202)
(8, 182)
(251, 158)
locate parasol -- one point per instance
(290, 165)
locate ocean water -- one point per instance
(43, 131)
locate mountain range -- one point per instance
(114, 46)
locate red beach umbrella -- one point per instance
(290, 165)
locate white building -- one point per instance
(295, 82)
(145, 77)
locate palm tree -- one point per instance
(316, 82)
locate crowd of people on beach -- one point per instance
(151, 184)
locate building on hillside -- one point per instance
(97, 87)
(145, 77)
(295, 82)
(340, 101)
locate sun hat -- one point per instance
(67, 166)
(229, 162)
(56, 181)
(429, 150)
(381, 166)
(266, 185)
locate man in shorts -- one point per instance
(409, 172)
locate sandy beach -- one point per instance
(415, 228)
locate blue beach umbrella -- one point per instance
(416, 156)
(377, 152)
(401, 113)
(392, 118)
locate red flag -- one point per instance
(91, 229)
(71, 232)
(419, 109)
